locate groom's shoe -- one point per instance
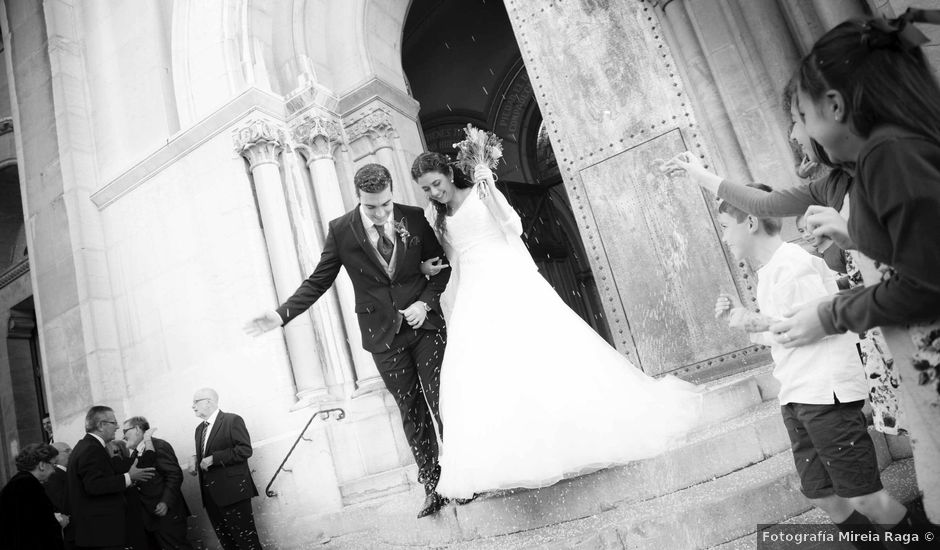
(432, 504)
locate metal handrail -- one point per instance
(324, 414)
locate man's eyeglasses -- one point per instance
(129, 429)
(200, 399)
(109, 422)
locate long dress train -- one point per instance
(530, 394)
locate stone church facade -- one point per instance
(168, 168)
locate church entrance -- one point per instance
(464, 66)
(22, 395)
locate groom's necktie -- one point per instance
(384, 244)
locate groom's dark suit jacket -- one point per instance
(378, 296)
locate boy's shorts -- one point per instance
(832, 450)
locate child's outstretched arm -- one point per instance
(688, 165)
(783, 201)
(739, 317)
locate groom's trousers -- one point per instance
(411, 369)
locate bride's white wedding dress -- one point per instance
(530, 394)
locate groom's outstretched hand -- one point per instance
(269, 320)
(415, 314)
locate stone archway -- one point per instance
(461, 78)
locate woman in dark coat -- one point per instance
(27, 518)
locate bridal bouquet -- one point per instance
(479, 149)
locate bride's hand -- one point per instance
(482, 178)
(433, 266)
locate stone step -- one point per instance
(729, 397)
(898, 478)
(562, 525)
(711, 453)
(697, 517)
(716, 451)
(738, 429)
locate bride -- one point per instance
(530, 394)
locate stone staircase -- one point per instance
(735, 471)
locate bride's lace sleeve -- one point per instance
(504, 213)
(509, 221)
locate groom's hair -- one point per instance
(771, 226)
(372, 178)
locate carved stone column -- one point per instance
(261, 142)
(736, 63)
(320, 136)
(692, 66)
(376, 128)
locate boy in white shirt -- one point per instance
(822, 386)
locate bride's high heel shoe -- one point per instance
(462, 501)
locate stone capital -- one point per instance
(375, 124)
(260, 141)
(319, 135)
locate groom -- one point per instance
(382, 244)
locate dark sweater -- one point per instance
(829, 190)
(895, 220)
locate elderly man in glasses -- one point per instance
(223, 447)
(163, 507)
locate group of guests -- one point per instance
(864, 102)
(865, 106)
(126, 493)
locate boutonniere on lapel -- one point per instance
(409, 240)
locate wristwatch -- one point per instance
(426, 306)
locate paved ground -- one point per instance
(899, 478)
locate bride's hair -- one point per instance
(442, 164)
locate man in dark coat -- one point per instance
(57, 491)
(96, 485)
(223, 446)
(164, 508)
(27, 518)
